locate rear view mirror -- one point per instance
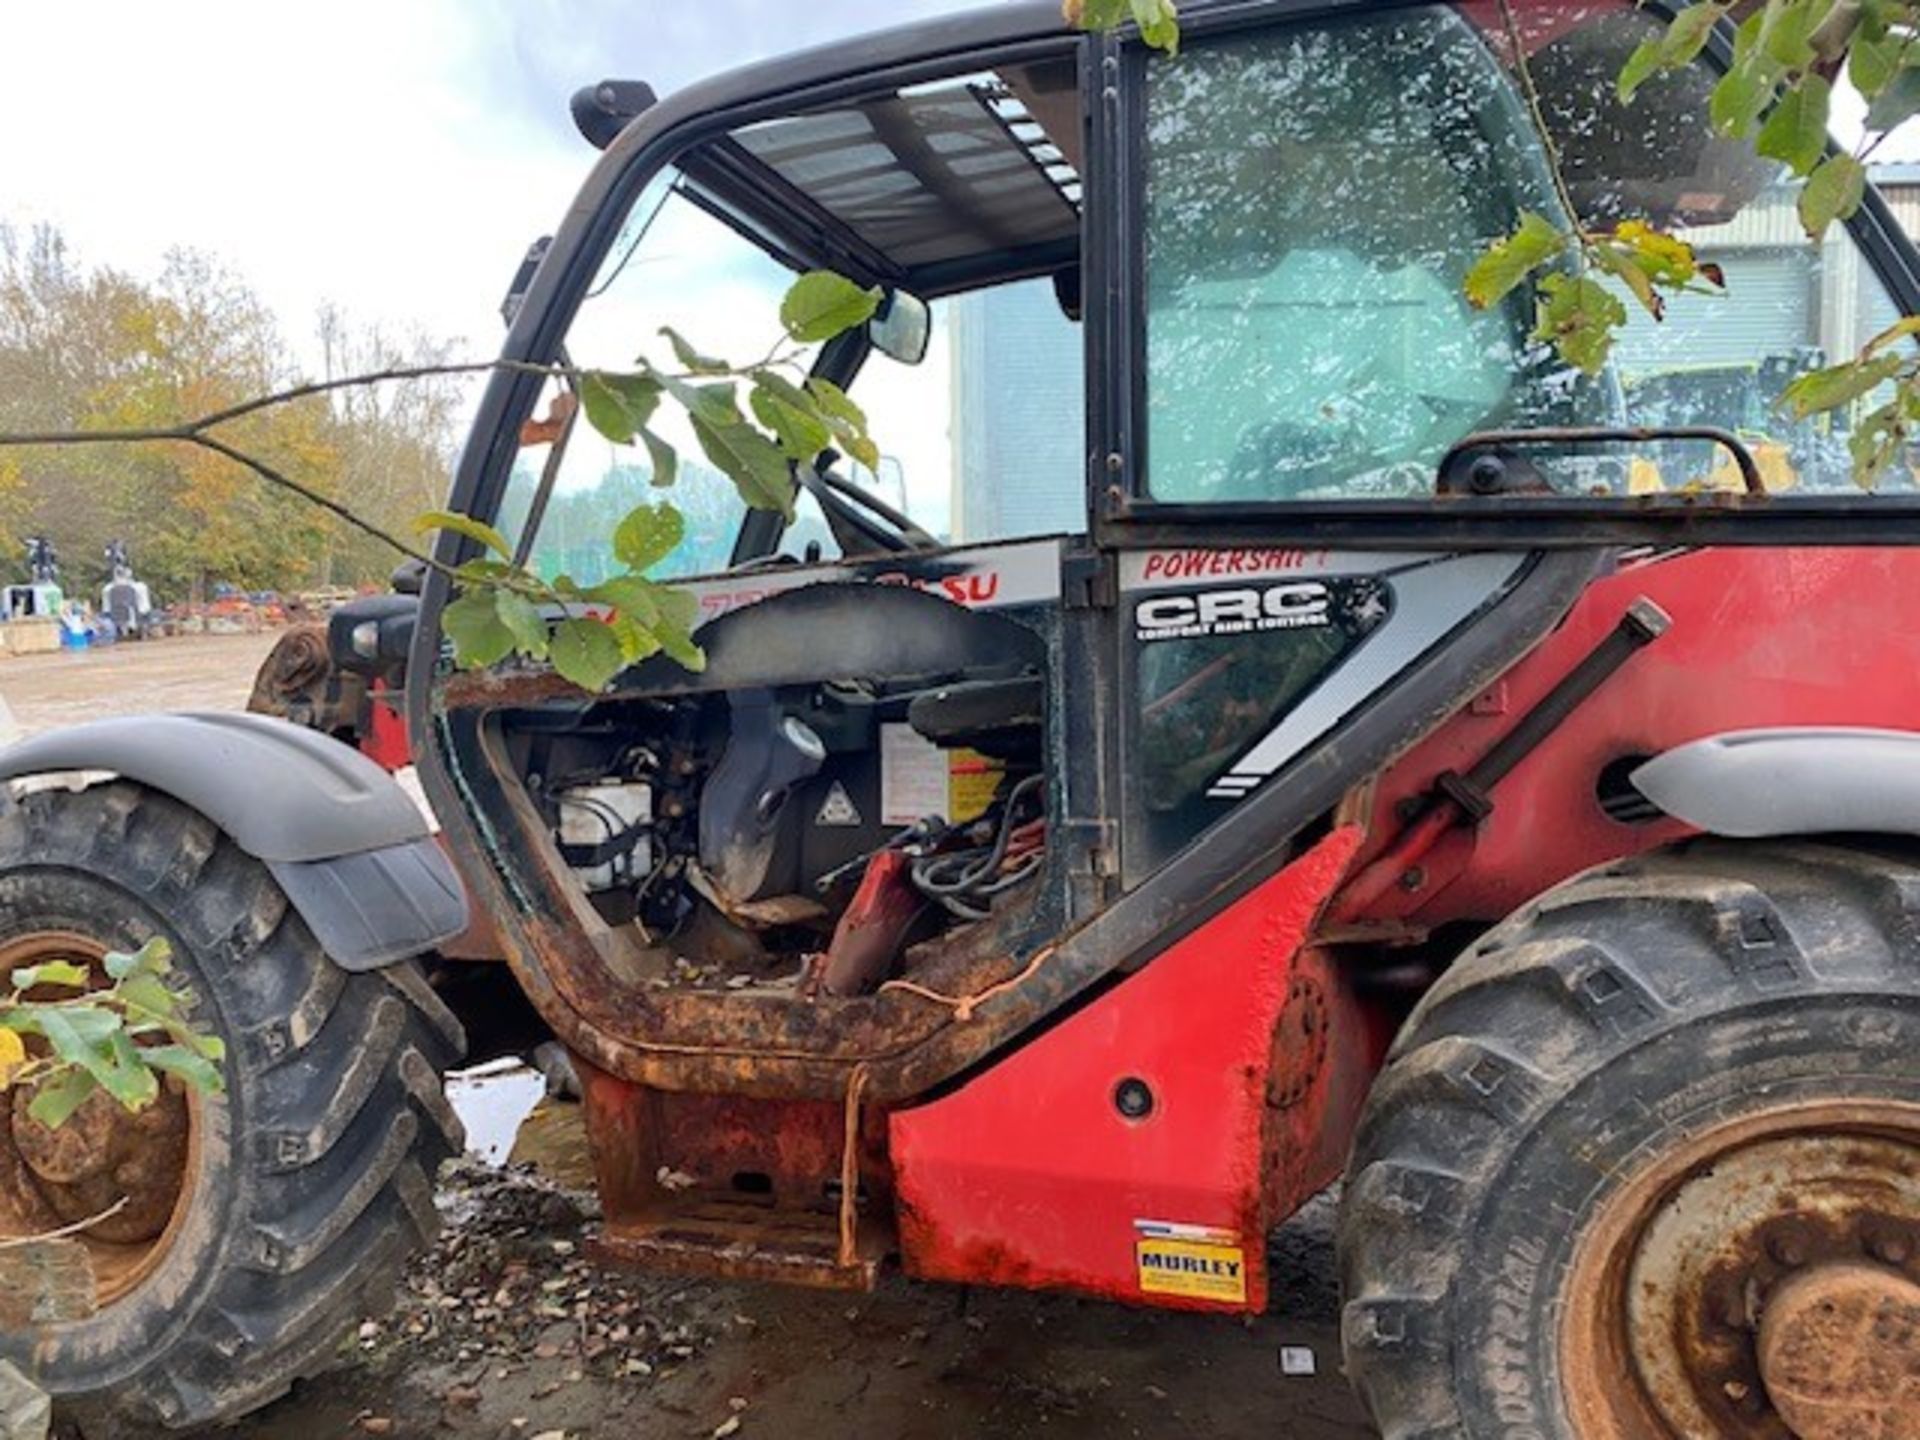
(902, 329)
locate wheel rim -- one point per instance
(1761, 1279)
(101, 1158)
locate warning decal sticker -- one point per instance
(838, 808)
(1202, 1262)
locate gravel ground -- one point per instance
(507, 1332)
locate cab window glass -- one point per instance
(984, 439)
(676, 263)
(1316, 195)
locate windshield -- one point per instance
(1316, 194)
(675, 263)
(982, 439)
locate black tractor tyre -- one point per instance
(1578, 1048)
(307, 1182)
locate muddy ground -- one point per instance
(507, 1332)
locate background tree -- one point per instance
(90, 349)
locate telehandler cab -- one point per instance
(1249, 732)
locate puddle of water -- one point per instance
(493, 1101)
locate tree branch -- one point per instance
(1538, 109)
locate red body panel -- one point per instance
(385, 740)
(1029, 1175)
(1257, 1054)
(1760, 637)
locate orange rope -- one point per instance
(963, 1006)
(850, 1169)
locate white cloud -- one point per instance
(392, 157)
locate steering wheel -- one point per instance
(855, 514)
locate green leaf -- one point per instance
(72, 1030)
(1878, 442)
(480, 636)
(1579, 315)
(1742, 94)
(1672, 49)
(678, 612)
(524, 621)
(1159, 24)
(196, 1071)
(52, 972)
(125, 1076)
(1099, 15)
(1622, 265)
(690, 358)
(1905, 326)
(846, 420)
(1796, 131)
(714, 403)
(1788, 31)
(211, 1046)
(618, 405)
(753, 462)
(820, 305)
(1642, 65)
(637, 642)
(57, 1097)
(1838, 385)
(463, 525)
(150, 993)
(633, 595)
(1898, 100)
(663, 457)
(681, 649)
(1687, 36)
(801, 431)
(155, 956)
(1874, 60)
(1534, 242)
(647, 535)
(1833, 192)
(587, 652)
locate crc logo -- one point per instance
(1243, 610)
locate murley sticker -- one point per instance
(1240, 610)
(1201, 1262)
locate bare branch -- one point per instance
(333, 507)
(372, 377)
(10, 1242)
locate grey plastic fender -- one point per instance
(351, 849)
(1790, 781)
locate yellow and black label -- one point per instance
(1197, 1261)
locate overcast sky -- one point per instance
(393, 156)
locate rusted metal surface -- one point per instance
(46, 1282)
(1840, 1352)
(733, 1241)
(104, 1156)
(299, 682)
(724, 1185)
(571, 964)
(1326, 1047)
(1700, 1286)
